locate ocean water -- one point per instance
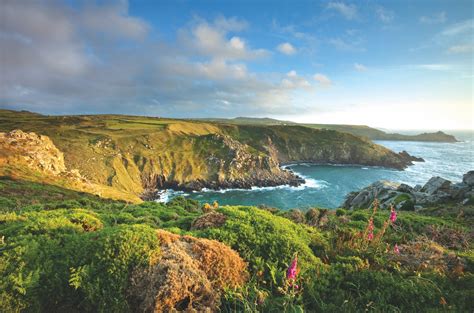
(327, 185)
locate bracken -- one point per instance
(190, 275)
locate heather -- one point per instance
(68, 251)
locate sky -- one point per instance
(387, 64)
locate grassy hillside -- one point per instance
(358, 130)
(121, 157)
(63, 251)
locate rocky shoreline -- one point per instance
(283, 176)
(404, 197)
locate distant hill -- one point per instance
(358, 130)
(250, 121)
(376, 134)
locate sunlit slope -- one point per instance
(135, 154)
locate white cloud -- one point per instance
(461, 49)
(322, 79)
(385, 15)
(221, 70)
(349, 11)
(114, 21)
(55, 59)
(292, 74)
(354, 45)
(230, 24)
(461, 28)
(436, 18)
(286, 48)
(359, 67)
(210, 40)
(294, 81)
(435, 67)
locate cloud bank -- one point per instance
(98, 58)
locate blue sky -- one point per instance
(390, 64)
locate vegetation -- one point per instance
(67, 251)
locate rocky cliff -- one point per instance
(437, 190)
(36, 158)
(140, 155)
(36, 151)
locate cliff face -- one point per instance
(301, 144)
(35, 158)
(137, 155)
(36, 151)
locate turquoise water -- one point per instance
(327, 185)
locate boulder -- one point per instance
(468, 178)
(382, 190)
(435, 185)
(405, 188)
(405, 197)
(459, 190)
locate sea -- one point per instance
(327, 185)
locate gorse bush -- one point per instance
(258, 234)
(51, 262)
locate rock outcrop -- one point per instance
(404, 197)
(36, 151)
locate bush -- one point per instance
(258, 234)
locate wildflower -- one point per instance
(393, 215)
(370, 236)
(292, 270)
(396, 249)
(370, 229)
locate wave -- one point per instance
(305, 164)
(166, 195)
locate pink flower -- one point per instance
(395, 249)
(370, 235)
(292, 270)
(371, 224)
(393, 215)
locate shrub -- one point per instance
(190, 275)
(258, 234)
(102, 274)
